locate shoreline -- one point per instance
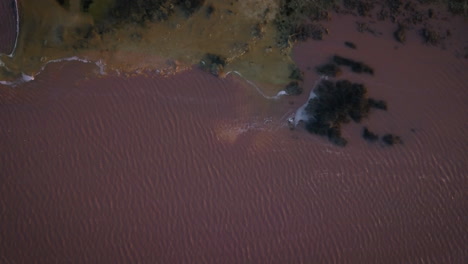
(258, 57)
(371, 24)
(104, 159)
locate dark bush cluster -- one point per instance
(430, 36)
(140, 11)
(350, 45)
(329, 69)
(355, 66)
(296, 74)
(363, 7)
(336, 103)
(391, 139)
(295, 86)
(290, 19)
(213, 63)
(400, 34)
(379, 104)
(303, 32)
(368, 135)
(332, 69)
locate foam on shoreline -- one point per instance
(245, 36)
(27, 78)
(274, 97)
(301, 114)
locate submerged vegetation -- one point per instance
(368, 135)
(329, 69)
(336, 103)
(350, 45)
(391, 139)
(355, 66)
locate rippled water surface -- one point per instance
(193, 168)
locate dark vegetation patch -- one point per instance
(136, 37)
(63, 3)
(378, 104)
(391, 139)
(137, 11)
(305, 31)
(85, 5)
(329, 69)
(430, 13)
(395, 5)
(293, 88)
(459, 7)
(336, 103)
(355, 66)
(83, 34)
(213, 64)
(190, 6)
(210, 10)
(400, 34)
(293, 21)
(365, 27)
(350, 45)
(363, 7)
(59, 33)
(369, 136)
(258, 31)
(296, 74)
(430, 36)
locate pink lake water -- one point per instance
(196, 169)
